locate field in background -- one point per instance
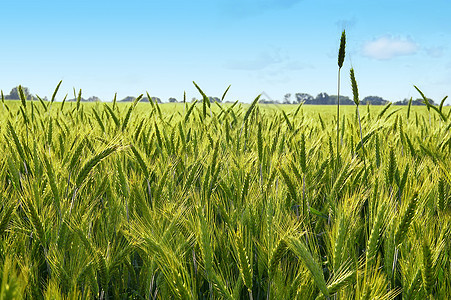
(326, 111)
(139, 200)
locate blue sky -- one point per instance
(275, 46)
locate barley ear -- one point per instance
(16, 141)
(425, 100)
(251, 108)
(375, 237)
(406, 219)
(99, 121)
(38, 226)
(383, 111)
(140, 160)
(63, 102)
(245, 188)
(244, 259)
(414, 286)
(114, 100)
(339, 242)
(300, 250)
(276, 255)
(78, 99)
(260, 143)
(22, 96)
(427, 268)
(442, 195)
(441, 103)
(355, 91)
(53, 186)
(303, 155)
(223, 95)
(189, 111)
(56, 91)
(204, 240)
(89, 165)
(6, 215)
(391, 168)
(341, 51)
(291, 188)
(205, 100)
(343, 276)
(50, 133)
(409, 107)
(127, 116)
(112, 114)
(76, 155)
(103, 272)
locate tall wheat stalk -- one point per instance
(355, 93)
(341, 58)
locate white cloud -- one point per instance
(388, 47)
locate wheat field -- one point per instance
(223, 201)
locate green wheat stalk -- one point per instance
(406, 220)
(6, 216)
(225, 93)
(375, 237)
(62, 103)
(115, 101)
(129, 112)
(53, 185)
(56, 91)
(22, 97)
(341, 58)
(90, 164)
(355, 93)
(98, 119)
(78, 99)
(427, 268)
(299, 249)
(112, 114)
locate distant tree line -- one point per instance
(326, 99)
(14, 94)
(211, 99)
(414, 102)
(144, 99)
(320, 99)
(90, 99)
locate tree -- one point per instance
(344, 100)
(264, 101)
(14, 94)
(304, 97)
(374, 100)
(156, 99)
(322, 98)
(130, 99)
(214, 99)
(94, 99)
(172, 100)
(418, 101)
(287, 98)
